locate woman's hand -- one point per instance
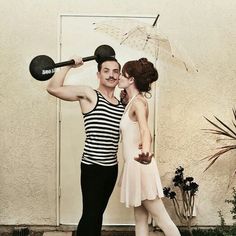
(124, 97)
(144, 158)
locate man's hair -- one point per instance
(104, 59)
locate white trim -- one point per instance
(59, 102)
(58, 118)
(106, 15)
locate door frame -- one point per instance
(58, 102)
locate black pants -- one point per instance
(97, 184)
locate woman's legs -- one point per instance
(158, 211)
(141, 221)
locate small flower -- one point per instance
(179, 170)
(166, 191)
(189, 179)
(193, 187)
(178, 180)
(186, 188)
(172, 195)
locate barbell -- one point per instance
(43, 67)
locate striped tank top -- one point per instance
(102, 129)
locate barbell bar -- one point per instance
(43, 67)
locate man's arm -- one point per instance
(84, 94)
(57, 88)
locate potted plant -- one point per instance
(184, 206)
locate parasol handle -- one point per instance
(154, 23)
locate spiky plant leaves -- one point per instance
(224, 130)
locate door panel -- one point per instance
(78, 37)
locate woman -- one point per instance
(140, 184)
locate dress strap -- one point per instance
(130, 101)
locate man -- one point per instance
(102, 112)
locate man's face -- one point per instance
(124, 81)
(109, 74)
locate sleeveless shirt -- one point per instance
(102, 129)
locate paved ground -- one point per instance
(66, 231)
(104, 233)
(57, 233)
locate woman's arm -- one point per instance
(141, 113)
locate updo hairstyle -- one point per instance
(143, 71)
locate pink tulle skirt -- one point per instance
(139, 182)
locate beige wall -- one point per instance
(28, 173)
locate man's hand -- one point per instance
(144, 158)
(78, 61)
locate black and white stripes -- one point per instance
(102, 128)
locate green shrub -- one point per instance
(233, 202)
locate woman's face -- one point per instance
(124, 81)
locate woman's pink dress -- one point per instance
(138, 181)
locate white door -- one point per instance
(78, 37)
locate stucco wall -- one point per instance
(28, 172)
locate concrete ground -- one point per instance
(104, 233)
(67, 231)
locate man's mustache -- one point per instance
(111, 77)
